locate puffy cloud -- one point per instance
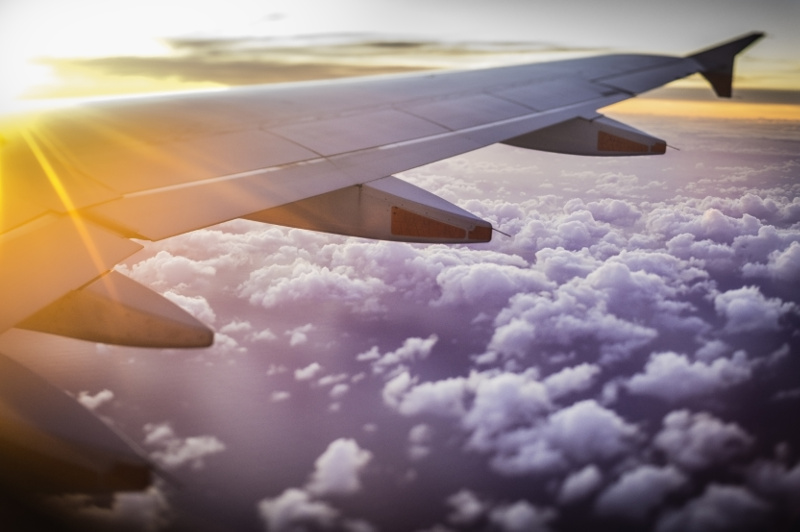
(521, 516)
(576, 314)
(141, 511)
(299, 335)
(395, 361)
(443, 398)
(580, 485)
(176, 451)
(419, 438)
(580, 434)
(466, 508)
(280, 396)
(277, 284)
(337, 470)
(295, 510)
(783, 265)
(588, 432)
(639, 492)
(571, 380)
(487, 284)
(607, 210)
(165, 270)
(308, 372)
(699, 441)
(503, 401)
(93, 401)
(673, 378)
(747, 310)
(776, 481)
(718, 508)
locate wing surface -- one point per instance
(77, 183)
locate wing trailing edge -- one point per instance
(387, 209)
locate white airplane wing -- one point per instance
(78, 183)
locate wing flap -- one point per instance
(599, 136)
(117, 310)
(387, 209)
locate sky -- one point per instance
(627, 359)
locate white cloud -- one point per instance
(466, 508)
(698, 441)
(294, 510)
(487, 284)
(503, 401)
(280, 396)
(299, 335)
(571, 380)
(580, 485)
(521, 516)
(337, 470)
(776, 481)
(411, 350)
(308, 372)
(93, 401)
(443, 398)
(141, 511)
(419, 439)
(747, 310)
(673, 378)
(580, 434)
(176, 451)
(639, 492)
(718, 508)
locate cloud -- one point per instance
(142, 511)
(308, 372)
(299, 335)
(466, 508)
(488, 284)
(503, 401)
(718, 508)
(777, 482)
(699, 441)
(337, 470)
(580, 485)
(673, 378)
(397, 360)
(174, 451)
(521, 516)
(747, 310)
(443, 398)
(783, 265)
(419, 439)
(639, 492)
(92, 402)
(336, 473)
(294, 509)
(571, 380)
(578, 435)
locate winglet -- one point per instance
(717, 62)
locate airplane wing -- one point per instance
(77, 184)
